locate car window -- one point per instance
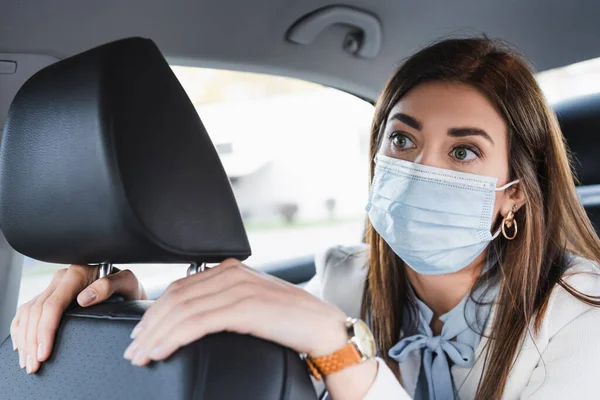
(572, 81)
(296, 154)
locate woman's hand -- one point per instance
(34, 326)
(233, 297)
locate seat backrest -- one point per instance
(580, 122)
(105, 160)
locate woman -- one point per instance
(480, 275)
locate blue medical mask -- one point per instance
(436, 220)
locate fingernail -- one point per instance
(136, 330)
(158, 353)
(29, 366)
(40, 352)
(130, 351)
(87, 296)
(14, 345)
(140, 356)
(21, 359)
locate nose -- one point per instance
(430, 157)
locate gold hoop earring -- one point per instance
(508, 222)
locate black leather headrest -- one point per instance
(104, 159)
(580, 122)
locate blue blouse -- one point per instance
(460, 336)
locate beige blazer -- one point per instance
(562, 362)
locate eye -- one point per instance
(463, 153)
(402, 141)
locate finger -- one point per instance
(21, 333)
(142, 347)
(182, 290)
(123, 283)
(74, 281)
(32, 350)
(231, 272)
(35, 311)
(34, 346)
(231, 318)
(14, 325)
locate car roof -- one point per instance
(250, 35)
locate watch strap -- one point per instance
(334, 362)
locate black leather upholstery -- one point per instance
(580, 122)
(88, 364)
(104, 159)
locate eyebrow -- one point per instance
(408, 120)
(454, 132)
(462, 132)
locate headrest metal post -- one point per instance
(104, 269)
(195, 268)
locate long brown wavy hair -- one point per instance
(551, 223)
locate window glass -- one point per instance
(572, 81)
(297, 157)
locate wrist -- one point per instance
(355, 346)
(353, 382)
(330, 338)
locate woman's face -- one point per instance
(451, 126)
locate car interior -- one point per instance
(133, 219)
(90, 85)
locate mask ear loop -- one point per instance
(501, 188)
(497, 233)
(509, 184)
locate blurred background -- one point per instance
(296, 154)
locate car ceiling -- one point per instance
(250, 35)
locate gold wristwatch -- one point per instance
(359, 348)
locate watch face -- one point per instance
(364, 339)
